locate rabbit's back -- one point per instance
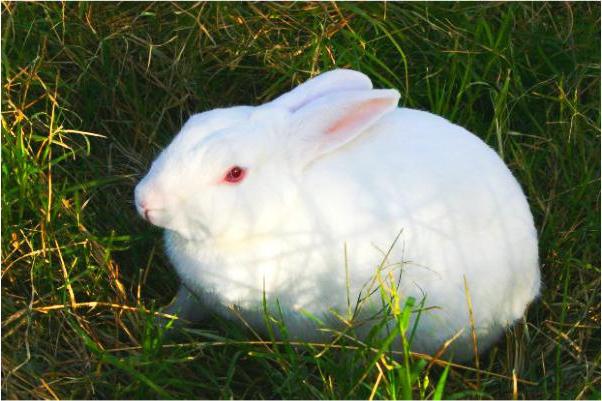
(459, 211)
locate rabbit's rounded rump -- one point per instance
(318, 198)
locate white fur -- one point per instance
(309, 195)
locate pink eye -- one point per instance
(235, 174)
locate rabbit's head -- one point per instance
(233, 173)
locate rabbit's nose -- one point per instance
(143, 209)
(147, 200)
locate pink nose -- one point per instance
(142, 208)
(146, 200)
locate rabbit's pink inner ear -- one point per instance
(358, 116)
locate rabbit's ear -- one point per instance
(333, 120)
(323, 84)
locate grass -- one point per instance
(91, 92)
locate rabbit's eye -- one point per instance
(235, 174)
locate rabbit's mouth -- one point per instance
(156, 217)
(150, 215)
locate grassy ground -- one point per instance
(91, 92)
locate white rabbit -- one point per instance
(302, 198)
